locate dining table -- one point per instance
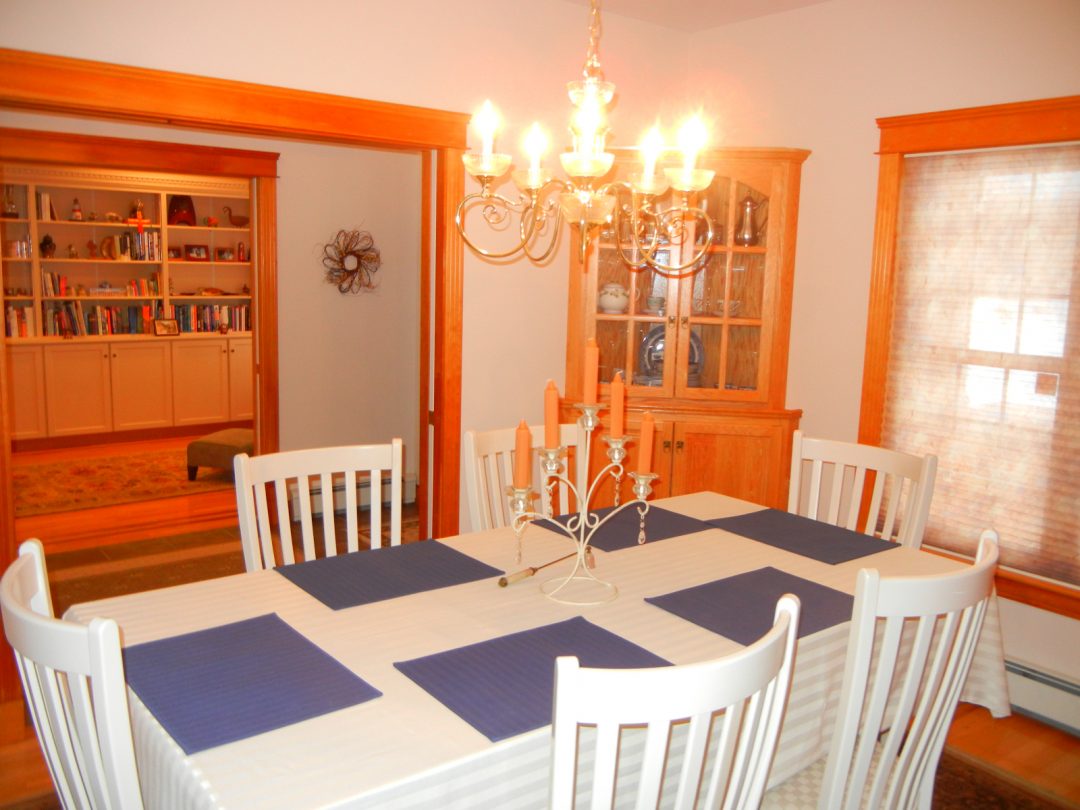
(407, 677)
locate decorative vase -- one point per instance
(613, 299)
(746, 234)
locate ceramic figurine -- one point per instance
(211, 222)
(48, 247)
(92, 247)
(76, 211)
(72, 252)
(236, 220)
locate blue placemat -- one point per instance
(800, 535)
(622, 530)
(742, 607)
(504, 686)
(227, 683)
(362, 577)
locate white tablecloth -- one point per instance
(405, 749)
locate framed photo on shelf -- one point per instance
(197, 253)
(176, 253)
(224, 255)
(166, 326)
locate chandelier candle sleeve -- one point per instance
(618, 397)
(486, 122)
(522, 459)
(551, 415)
(645, 450)
(592, 371)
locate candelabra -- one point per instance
(582, 526)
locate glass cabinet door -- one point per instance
(721, 310)
(632, 314)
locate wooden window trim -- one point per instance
(1001, 125)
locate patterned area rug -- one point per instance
(65, 486)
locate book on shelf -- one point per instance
(16, 321)
(45, 211)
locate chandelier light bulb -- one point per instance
(536, 144)
(652, 145)
(692, 139)
(486, 123)
(586, 127)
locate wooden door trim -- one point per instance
(423, 494)
(51, 84)
(88, 89)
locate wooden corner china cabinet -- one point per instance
(706, 350)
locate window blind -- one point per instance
(984, 364)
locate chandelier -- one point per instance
(636, 215)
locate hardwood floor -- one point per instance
(103, 552)
(123, 523)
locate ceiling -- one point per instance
(697, 15)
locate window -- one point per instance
(973, 342)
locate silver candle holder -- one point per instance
(581, 586)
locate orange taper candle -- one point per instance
(551, 416)
(522, 459)
(592, 371)
(645, 450)
(618, 397)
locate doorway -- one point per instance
(40, 83)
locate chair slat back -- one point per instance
(835, 489)
(297, 480)
(488, 460)
(910, 648)
(73, 679)
(715, 723)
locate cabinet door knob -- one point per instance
(667, 446)
(679, 446)
(671, 319)
(685, 320)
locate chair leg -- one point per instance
(192, 472)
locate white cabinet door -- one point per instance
(26, 368)
(77, 382)
(141, 385)
(200, 373)
(241, 379)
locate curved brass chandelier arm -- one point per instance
(670, 222)
(538, 226)
(495, 212)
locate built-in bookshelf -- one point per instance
(133, 289)
(92, 253)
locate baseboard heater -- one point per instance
(363, 493)
(1047, 697)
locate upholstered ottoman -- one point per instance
(218, 449)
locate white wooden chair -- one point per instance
(73, 678)
(721, 717)
(489, 470)
(833, 492)
(302, 483)
(910, 647)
